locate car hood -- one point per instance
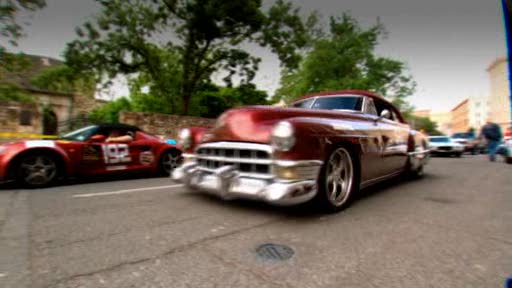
(255, 123)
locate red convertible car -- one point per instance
(323, 147)
(87, 151)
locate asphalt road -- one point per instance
(453, 228)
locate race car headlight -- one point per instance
(283, 136)
(185, 138)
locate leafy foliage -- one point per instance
(9, 10)
(9, 92)
(64, 79)
(109, 113)
(345, 59)
(210, 102)
(206, 36)
(424, 124)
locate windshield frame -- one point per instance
(71, 135)
(316, 98)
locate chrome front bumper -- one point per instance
(227, 183)
(419, 158)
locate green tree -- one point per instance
(11, 31)
(9, 11)
(64, 79)
(205, 36)
(425, 124)
(345, 59)
(10, 92)
(109, 113)
(214, 100)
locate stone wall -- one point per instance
(19, 118)
(163, 124)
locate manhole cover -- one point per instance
(274, 252)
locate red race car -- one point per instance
(93, 150)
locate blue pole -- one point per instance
(507, 15)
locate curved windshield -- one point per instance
(81, 134)
(353, 103)
(440, 139)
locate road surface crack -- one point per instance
(170, 252)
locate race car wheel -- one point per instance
(37, 170)
(508, 160)
(339, 181)
(169, 160)
(458, 155)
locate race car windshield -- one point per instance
(80, 134)
(338, 103)
(440, 139)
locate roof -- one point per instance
(37, 65)
(460, 104)
(341, 92)
(496, 62)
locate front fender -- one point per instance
(10, 157)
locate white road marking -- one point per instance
(125, 191)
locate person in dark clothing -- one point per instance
(492, 133)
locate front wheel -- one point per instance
(458, 155)
(339, 181)
(169, 161)
(37, 170)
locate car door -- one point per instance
(372, 164)
(394, 139)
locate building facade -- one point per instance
(460, 117)
(443, 121)
(499, 98)
(478, 112)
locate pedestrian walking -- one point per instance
(492, 134)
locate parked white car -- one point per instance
(444, 145)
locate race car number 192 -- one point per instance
(116, 153)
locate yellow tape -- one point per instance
(26, 135)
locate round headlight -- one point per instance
(283, 136)
(185, 138)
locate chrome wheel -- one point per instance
(339, 177)
(38, 170)
(170, 160)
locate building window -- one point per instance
(25, 118)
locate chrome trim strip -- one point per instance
(292, 163)
(235, 160)
(237, 145)
(242, 174)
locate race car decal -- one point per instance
(91, 153)
(146, 158)
(116, 153)
(40, 143)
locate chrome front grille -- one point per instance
(247, 158)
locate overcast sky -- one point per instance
(447, 44)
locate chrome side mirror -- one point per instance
(385, 114)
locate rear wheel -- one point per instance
(458, 154)
(169, 161)
(339, 181)
(37, 170)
